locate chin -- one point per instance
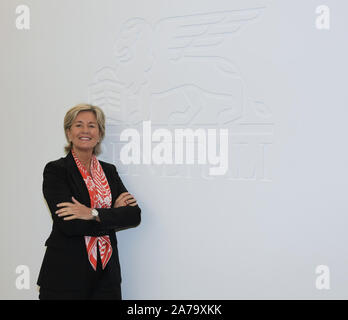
(84, 148)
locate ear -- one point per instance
(68, 134)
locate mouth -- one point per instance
(85, 138)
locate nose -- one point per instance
(85, 129)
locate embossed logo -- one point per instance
(175, 74)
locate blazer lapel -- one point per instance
(112, 185)
(79, 186)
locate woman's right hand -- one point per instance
(125, 199)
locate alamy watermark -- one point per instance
(22, 21)
(322, 21)
(323, 280)
(170, 150)
(23, 279)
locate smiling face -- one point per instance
(84, 131)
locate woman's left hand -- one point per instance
(74, 210)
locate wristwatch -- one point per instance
(95, 214)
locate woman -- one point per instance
(88, 201)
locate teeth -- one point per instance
(85, 138)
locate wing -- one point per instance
(106, 92)
(182, 35)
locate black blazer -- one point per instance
(65, 265)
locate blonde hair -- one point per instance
(71, 115)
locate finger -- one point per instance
(65, 204)
(65, 209)
(72, 217)
(133, 204)
(74, 200)
(130, 197)
(130, 201)
(64, 213)
(122, 195)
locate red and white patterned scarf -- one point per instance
(100, 196)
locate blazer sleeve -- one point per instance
(56, 189)
(121, 217)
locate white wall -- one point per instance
(261, 69)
